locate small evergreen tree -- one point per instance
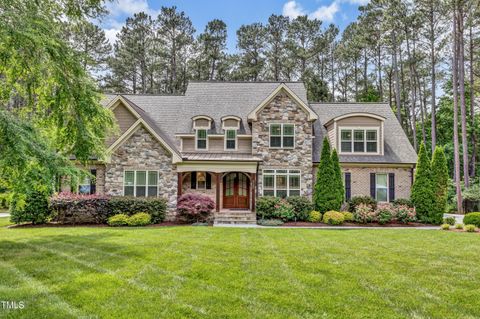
(422, 190)
(324, 195)
(439, 184)
(339, 190)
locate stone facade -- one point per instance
(360, 179)
(143, 152)
(283, 109)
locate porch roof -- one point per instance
(241, 157)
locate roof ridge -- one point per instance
(357, 103)
(232, 81)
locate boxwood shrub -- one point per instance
(118, 220)
(472, 219)
(154, 206)
(333, 218)
(139, 219)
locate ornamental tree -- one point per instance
(422, 189)
(439, 184)
(339, 190)
(324, 197)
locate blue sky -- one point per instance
(235, 12)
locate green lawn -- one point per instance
(205, 272)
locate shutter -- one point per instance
(208, 180)
(348, 192)
(193, 180)
(372, 186)
(93, 182)
(391, 187)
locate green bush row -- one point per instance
(139, 219)
(295, 208)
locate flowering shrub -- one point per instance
(284, 210)
(405, 214)
(315, 216)
(333, 218)
(364, 213)
(194, 208)
(385, 213)
(359, 200)
(69, 208)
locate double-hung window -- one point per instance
(281, 182)
(282, 135)
(140, 183)
(358, 140)
(230, 139)
(201, 139)
(381, 187)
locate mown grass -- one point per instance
(205, 272)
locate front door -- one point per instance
(236, 189)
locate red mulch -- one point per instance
(393, 224)
(48, 225)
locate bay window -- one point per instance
(282, 135)
(281, 182)
(140, 183)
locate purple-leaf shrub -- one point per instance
(194, 208)
(70, 208)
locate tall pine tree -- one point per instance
(422, 189)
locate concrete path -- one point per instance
(458, 218)
(322, 227)
(4, 214)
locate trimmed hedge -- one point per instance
(472, 219)
(118, 220)
(71, 208)
(154, 206)
(333, 218)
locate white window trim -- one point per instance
(204, 188)
(225, 140)
(363, 128)
(274, 174)
(237, 119)
(202, 117)
(196, 139)
(388, 188)
(135, 181)
(281, 136)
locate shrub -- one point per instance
(422, 188)
(385, 213)
(33, 208)
(194, 208)
(472, 218)
(139, 219)
(449, 220)
(270, 222)
(364, 213)
(315, 216)
(4, 200)
(458, 226)
(347, 216)
(301, 207)
(439, 184)
(339, 188)
(284, 210)
(445, 226)
(265, 207)
(402, 202)
(118, 220)
(71, 208)
(333, 218)
(405, 214)
(357, 200)
(154, 206)
(469, 228)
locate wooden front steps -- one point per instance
(235, 217)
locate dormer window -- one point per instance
(201, 125)
(359, 140)
(230, 125)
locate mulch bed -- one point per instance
(394, 224)
(50, 225)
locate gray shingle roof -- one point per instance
(171, 114)
(397, 146)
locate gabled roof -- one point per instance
(143, 119)
(252, 116)
(398, 148)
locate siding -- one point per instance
(216, 144)
(125, 120)
(358, 121)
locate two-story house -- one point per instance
(235, 141)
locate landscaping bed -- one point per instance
(347, 224)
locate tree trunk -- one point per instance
(397, 80)
(379, 67)
(463, 108)
(455, 114)
(433, 75)
(472, 106)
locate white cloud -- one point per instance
(111, 34)
(358, 2)
(292, 9)
(128, 7)
(326, 13)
